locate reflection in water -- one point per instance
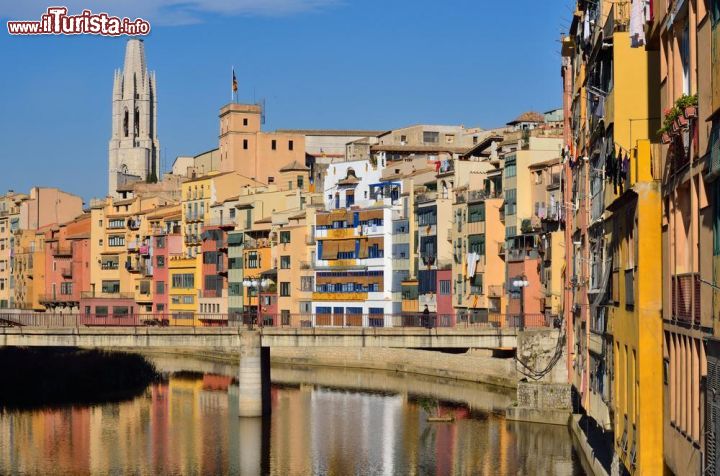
(190, 426)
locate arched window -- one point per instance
(136, 122)
(125, 123)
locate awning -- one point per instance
(329, 250)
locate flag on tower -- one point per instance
(234, 81)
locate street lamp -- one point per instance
(521, 282)
(257, 284)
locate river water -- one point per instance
(324, 421)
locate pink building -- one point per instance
(164, 245)
(67, 270)
(445, 310)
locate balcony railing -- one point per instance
(62, 250)
(252, 319)
(106, 295)
(66, 272)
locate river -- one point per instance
(324, 421)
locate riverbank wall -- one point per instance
(472, 366)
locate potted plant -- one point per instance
(665, 135)
(688, 105)
(670, 123)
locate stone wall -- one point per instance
(543, 396)
(538, 349)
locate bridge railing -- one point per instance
(251, 320)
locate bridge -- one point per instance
(254, 343)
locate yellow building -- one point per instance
(198, 195)
(29, 269)
(185, 276)
(635, 318)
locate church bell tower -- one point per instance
(134, 152)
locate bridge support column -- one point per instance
(254, 376)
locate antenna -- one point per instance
(262, 113)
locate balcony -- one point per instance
(66, 272)
(133, 247)
(56, 298)
(360, 296)
(62, 251)
(496, 290)
(221, 222)
(106, 295)
(133, 223)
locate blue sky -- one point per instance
(360, 64)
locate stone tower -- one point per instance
(134, 147)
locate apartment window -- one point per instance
(245, 121)
(253, 260)
(510, 170)
(111, 287)
(285, 262)
(445, 287)
(183, 280)
(300, 181)
(160, 262)
(160, 288)
(271, 179)
(66, 288)
(685, 58)
(284, 237)
(115, 223)
(291, 145)
(285, 289)
(245, 144)
(449, 138)
(476, 212)
(511, 201)
(109, 262)
(101, 311)
(476, 244)
(431, 137)
(273, 144)
(116, 240)
(403, 138)
(160, 242)
(307, 283)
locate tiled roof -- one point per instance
(529, 116)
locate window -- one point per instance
(307, 283)
(285, 289)
(511, 201)
(116, 240)
(427, 216)
(245, 144)
(510, 170)
(160, 260)
(109, 262)
(685, 58)
(476, 212)
(160, 242)
(431, 137)
(101, 311)
(445, 287)
(66, 288)
(253, 260)
(291, 145)
(273, 144)
(160, 308)
(476, 244)
(300, 181)
(234, 289)
(285, 262)
(284, 237)
(115, 223)
(183, 280)
(110, 287)
(245, 121)
(160, 288)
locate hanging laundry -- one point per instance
(638, 15)
(586, 28)
(472, 260)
